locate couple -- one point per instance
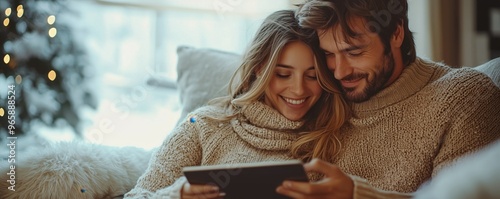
(403, 119)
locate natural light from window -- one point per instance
(133, 42)
(132, 45)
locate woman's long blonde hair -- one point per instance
(323, 121)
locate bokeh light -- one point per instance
(52, 32)
(52, 75)
(8, 11)
(20, 11)
(51, 19)
(6, 58)
(6, 22)
(19, 79)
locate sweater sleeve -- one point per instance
(363, 190)
(164, 174)
(475, 121)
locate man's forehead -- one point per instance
(330, 38)
(336, 34)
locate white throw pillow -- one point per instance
(203, 74)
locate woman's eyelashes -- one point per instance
(286, 75)
(313, 77)
(282, 75)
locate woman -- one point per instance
(276, 98)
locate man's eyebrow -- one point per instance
(324, 50)
(353, 47)
(350, 48)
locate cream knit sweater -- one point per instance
(425, 120)
(259, 134)
(395, 141)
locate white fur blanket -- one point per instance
(72, 170)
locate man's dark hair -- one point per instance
(381, 16)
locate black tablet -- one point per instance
(248, 180)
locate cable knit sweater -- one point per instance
(398, 139)
(418, 125)
(259, 134)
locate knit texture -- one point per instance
(418, 125)
(400, 138)
(258, 134)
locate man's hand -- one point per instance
(335, 184)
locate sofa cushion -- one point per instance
(202, 74)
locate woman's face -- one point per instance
(294, 88)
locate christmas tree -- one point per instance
(45, 74)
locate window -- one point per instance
(134, 41)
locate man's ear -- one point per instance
(398, 36)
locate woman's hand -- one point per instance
(190, 191)
(335, 184)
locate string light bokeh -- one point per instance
(52, 32)
(41, 55)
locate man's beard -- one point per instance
(372, 87)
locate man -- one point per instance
(410, 117)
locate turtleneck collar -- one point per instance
(413, 78)
(265, 128)
(262, 115)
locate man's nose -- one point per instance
(341, 68)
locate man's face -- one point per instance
(361, 65)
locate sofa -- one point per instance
(203, 74)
